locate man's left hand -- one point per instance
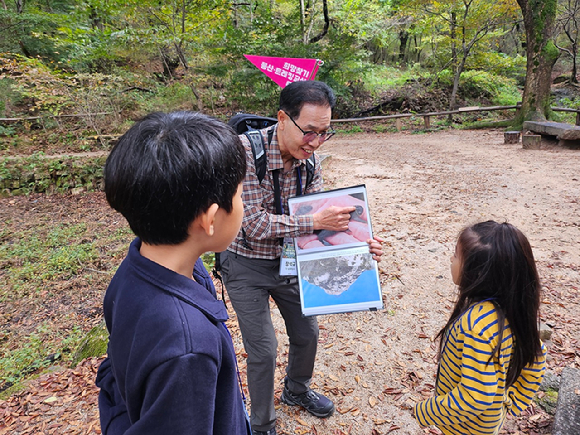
(376, 248)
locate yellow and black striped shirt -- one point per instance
(471, 395)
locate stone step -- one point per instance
(567, 419)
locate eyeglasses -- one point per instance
(309, 136)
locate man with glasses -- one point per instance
(251, 265)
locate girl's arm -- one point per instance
(464, 372)
(527, 384)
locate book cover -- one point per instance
(336, 271)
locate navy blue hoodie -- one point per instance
(171, 365)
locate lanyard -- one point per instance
(277, 194)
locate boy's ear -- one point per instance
(207, 219)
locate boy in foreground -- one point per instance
(171, 366)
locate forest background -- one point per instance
(125, 59)
(75, 74)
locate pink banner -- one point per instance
(284, 70)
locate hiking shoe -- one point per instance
(268, 432)
(313, 402)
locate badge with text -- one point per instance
(288, 258)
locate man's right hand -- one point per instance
(333, 218)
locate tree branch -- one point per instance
(326, 23)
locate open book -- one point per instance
(336, 271)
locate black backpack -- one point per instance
(249, 124)
(242, 122)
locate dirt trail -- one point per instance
(423, 188)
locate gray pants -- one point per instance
(249, 283)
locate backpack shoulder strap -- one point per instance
(259, 150)
(310, 166)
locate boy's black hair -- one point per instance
(168, 168)
(297, 94)
(497, 264)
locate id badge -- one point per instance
(288, 258)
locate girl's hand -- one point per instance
(376, 248)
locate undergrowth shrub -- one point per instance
(475, 85)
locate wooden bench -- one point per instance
(567, 134)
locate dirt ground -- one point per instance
(423, 189)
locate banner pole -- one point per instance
(317, 64)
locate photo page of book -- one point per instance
(336, 271)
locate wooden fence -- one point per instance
(33, 118)
(427, 116)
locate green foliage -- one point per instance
(542, 12)
(35, 82)
(34, 33)
(380, 128)
(174, 95)
(499, 64)
(379, 78)
(190, 54)
(37, 173)
(352, 130)
(208, 260)
(551, 52)
(94, 344)
(32, 259)
(549, 401)
(500, 90)
(7, 131)
(8, 97)
(36, 352)
(570, 103)
(49, 93)
(38, 258)
(55, 268)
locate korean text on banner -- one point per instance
(285, 70)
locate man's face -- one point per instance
(311, 118)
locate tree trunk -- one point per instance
(326, 23)
(574, 77)
(96, 22)
(404, 39)
(452, 34)
(539, 17)
(235, 15)
(417, 50)
(303, 22)
(170, 64)
(458, 73)
(310, 13)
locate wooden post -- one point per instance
(531, 141)
(398, 124)
(510, 137)
(577, 118)
(427, 121)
